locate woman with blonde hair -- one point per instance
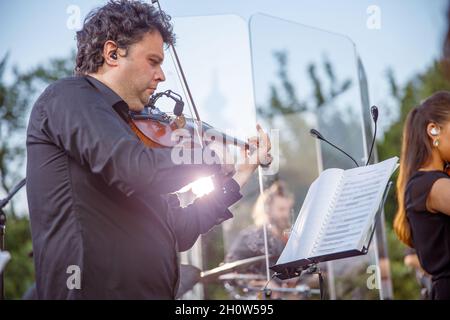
(423, 186)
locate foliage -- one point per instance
(284, 99)
(406, 97)
(16, 99)
(418, 88)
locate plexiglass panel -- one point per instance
(290, 78)
(214, 52)
(308, 78)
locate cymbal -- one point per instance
(213, 274)
(297, 289)
(241, 276)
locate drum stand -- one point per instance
(2, 247)
(3, 203)
(309, 269)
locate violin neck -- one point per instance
(226, 139)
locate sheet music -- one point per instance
(4, 258)
(339, 220)
(358, 195)
(304, 230)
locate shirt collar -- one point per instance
(110, 96)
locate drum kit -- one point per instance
(244, 286)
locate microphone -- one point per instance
(316, 134)
(374, 113)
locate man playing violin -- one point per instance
(103, 223)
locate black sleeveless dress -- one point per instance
(430, 231)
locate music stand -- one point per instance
(3, 203)
(313, 267)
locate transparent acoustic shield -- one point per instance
(306, 78)
(214, 52)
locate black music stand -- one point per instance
(313, 268)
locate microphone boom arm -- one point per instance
(331, 144)
(316, 134)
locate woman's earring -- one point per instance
(436, 143)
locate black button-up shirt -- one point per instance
(99, 199)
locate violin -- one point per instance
(157, 129)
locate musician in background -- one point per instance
(273, 208)
(423, 217)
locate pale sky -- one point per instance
(409, 37)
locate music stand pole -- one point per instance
(2, 248)
(3, 203)
(314, 269)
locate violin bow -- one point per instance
(178, 63)
(172, 47)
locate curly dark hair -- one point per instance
(122, 21)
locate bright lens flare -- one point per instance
(202, 186)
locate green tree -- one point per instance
(405, 97)
(16, 99)
(284, 99)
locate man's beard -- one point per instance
(281, 225)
